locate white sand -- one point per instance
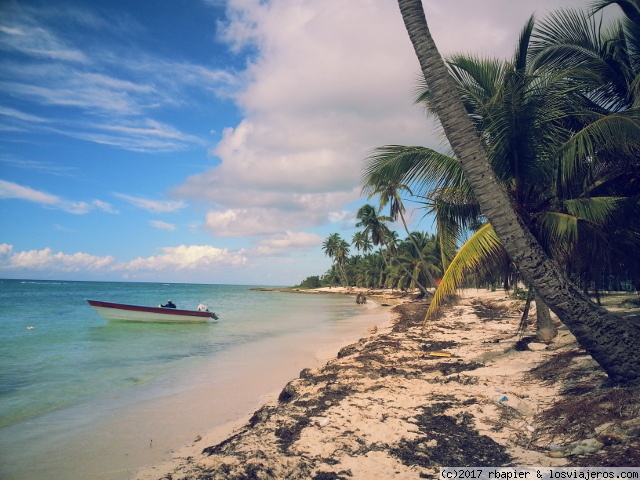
(381, 409)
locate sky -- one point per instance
(209, 141)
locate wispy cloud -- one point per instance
(43, 167)
(104, 206)
(111, 95)
(156, 206)
(11, 190)
(160, 225)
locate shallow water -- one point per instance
(99, 400)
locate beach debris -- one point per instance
(306, 373)
(609, 439)
(537, 347)
(197, 439)
(439, 354)
(581, 447)
(322, 422)
(289, 392)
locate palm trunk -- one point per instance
(545, 329)
(609, 339)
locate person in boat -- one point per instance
(202, 308)
(169, 304)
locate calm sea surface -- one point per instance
(57, 353)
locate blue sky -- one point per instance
(207, 141)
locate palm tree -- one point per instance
(337, 249)
(362, 242)
(380, 234)
(514, 107)
(389, 192)
(610, 340)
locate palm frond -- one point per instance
(479, 254)
(421, 168)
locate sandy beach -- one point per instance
(408, 398)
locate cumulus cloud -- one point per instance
(155, 206)
(287, 242)
(172, 259)
(187, 257)
(330, 81)
(47, 259)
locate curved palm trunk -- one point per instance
(609, 339)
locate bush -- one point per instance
(311, 282)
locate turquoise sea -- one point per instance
(58, 357)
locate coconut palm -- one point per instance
(605, 336)
(514, 108)
(362, 242)
(389, 191)
(338, 250)
(380, 234)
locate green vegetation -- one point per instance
(545, 153)
(583, 147)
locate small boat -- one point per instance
(119, 312)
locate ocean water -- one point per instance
(62, 366)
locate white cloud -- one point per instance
(155, 206)
(105, 207)
(272, 212)
(186, 257)
(46, 259)
(13, 190)
(284, 243)
(332, 81)
(169, 227)
(173, 259)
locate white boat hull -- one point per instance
(118, 312)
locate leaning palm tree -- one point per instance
(514, 108)
(605, 336)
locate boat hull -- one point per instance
(119, 312)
